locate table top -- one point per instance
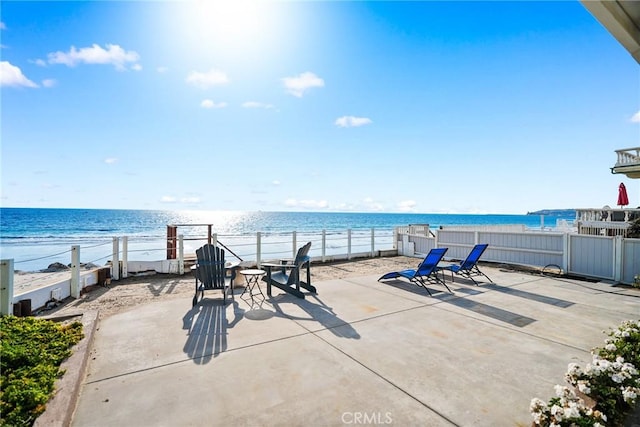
(252, 272)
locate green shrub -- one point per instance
(31, 351)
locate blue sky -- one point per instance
(428, 107)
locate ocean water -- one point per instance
(35, 238)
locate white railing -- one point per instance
(604, 257)
(628, 156)
(618, 257)
(607, 214)
(127, 254)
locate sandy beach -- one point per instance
(127, 294)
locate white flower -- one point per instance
(617, 378)
(537, 404)
(560, 390)
(610, 347)
(572, 411)
(629, 394)
(574, 369)
(583, 386)
(557, 412)
(628, 367)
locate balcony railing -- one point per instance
(628, 162)
(607, 214)
(605, 221)
(628, 156)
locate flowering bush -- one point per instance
(611, 382)
(636, 281)
(566, 409)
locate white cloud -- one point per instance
(207, 103)
(352, 121)
(49, 82)
(275, 182)
(136, 67)
(3, 26)
(10, 75)
(255, 104)
(172, 199)
(162, 69)
(372, 205)
(39, 62)
(205, 80)
(407, 205)
(307, 204)
(635, 118)
(95, 54)
(296, 86)
(190, 200)
(110, 160)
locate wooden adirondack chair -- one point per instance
(286, 275)
(211, 274)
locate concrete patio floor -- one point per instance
(360, 352)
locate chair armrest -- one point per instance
(270, 265)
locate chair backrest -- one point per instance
(473, 257)
(301, 257)
(430, 262)
(210, 267)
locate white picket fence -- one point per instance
(609, 258)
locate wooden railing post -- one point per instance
(258, 248)
(324, 245)
(6, 287)
(75, 271)
(295, 244)
(181, 254)
(125, 257)
(115, 263)
(172, 230)
(349, 244)
(373, 243)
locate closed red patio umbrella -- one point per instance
(623, 199)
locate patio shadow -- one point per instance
(506, 316)
(319, 312)
(207, 325)
(530, 295)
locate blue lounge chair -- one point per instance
(469, 267)
(427, 271)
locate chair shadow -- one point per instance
(530, 295)
(319, 312)
(416, 289)
(165, 287)
(506, 316)
(207, 326)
